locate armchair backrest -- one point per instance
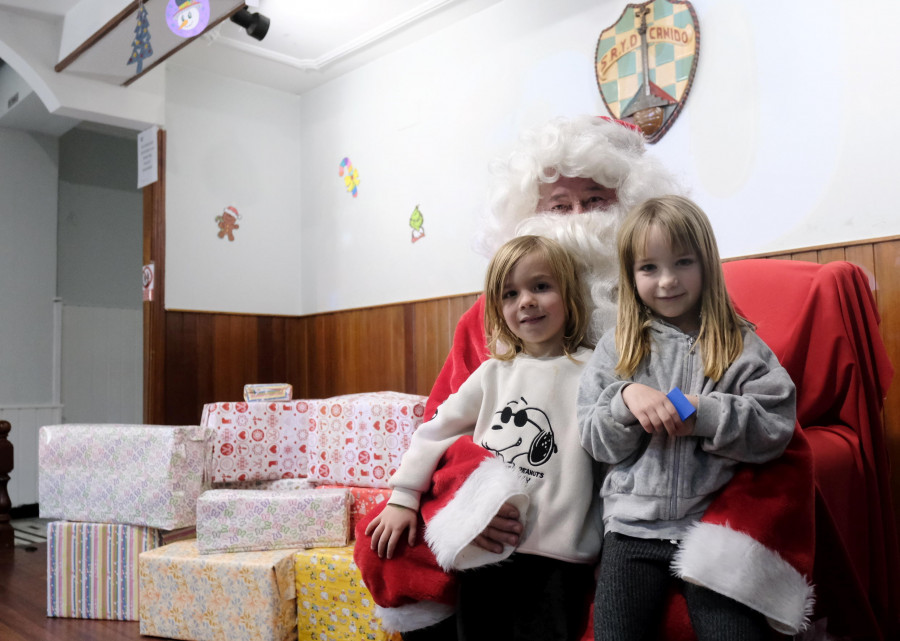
(822, 323)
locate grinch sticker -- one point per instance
(351, 176)
(416, 222)
(228, 222)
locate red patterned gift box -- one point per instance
(363, 499)
(258, 441)
(358, 439)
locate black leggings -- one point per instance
(525, 598)
(635, 577)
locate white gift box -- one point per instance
(148, 475)
(245, 520)
(358, 439)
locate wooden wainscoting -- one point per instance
(401, 347)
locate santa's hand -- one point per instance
(653, 410)
(387, 528)
(504, 528)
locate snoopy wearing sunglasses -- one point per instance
(521, 430)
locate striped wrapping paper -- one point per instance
(92, 568)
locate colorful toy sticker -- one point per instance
(187, 18)
(416, 222)
(140, 46)
(351, 176)
(228, 222)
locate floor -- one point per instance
(30, 532)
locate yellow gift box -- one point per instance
(332, 602)
(236, 596)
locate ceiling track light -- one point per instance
(256, 24)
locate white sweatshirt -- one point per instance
(524, 411)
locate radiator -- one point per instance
(26, 421)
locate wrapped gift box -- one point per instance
(92, 568)
(358, 439)
(363, 499)
(280, 484)
(268, 392)
(291, 484)
(239, 596)
(242, 520)
(332, 602)
(258, 441)
(148, 475)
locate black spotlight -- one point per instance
(257, 25)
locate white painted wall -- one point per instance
(28, 179)
(102, 365)
(234, 144)
(31, 46)
(100, 250)
(784, 139)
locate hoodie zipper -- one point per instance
(677, 441)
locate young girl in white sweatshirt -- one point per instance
(520, 405)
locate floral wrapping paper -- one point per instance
(238, 596)
(92, 568)
(332, 602)
(242, 520)
(279, 484)
(358, 439)
(363, 500)
(258, 441)
(148, 475)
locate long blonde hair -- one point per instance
(688, 230)
(502, 343)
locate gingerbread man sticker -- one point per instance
(228, 222)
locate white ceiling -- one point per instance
(309, 41)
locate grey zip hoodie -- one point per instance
(657, 485)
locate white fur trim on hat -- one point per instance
(740, 567)
(451, 531)
(413, 616)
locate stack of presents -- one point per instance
(239, 528)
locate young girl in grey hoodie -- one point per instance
(674, 400)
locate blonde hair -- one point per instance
(687, 229)
(502, 343)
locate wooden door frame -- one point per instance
(154, 196)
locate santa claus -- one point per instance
(573, 180)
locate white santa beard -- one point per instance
(591, 237)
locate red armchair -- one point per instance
(822, 323)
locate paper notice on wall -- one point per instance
(147, 157)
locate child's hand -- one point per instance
(387, 528)
(654, 411)
(504, 529)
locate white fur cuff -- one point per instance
(451, 532)
(413, 616)
(738, 566)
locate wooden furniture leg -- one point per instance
(7, 536)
